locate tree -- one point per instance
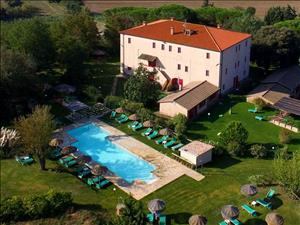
(8, 140)
(277, 14)
(14, 3)
(145, 114)
(93, 93)
(258, 151)
(35, 132)
(234, 137)
(133, 214)
(180, 122)
(287, 173)
(290, 24)
(280, 44)
(247, 23)
(140, 88)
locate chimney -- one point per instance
(172, 18)
(144, 23)
(172, 30)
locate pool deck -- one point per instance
(167, 169)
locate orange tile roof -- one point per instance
(215, 39)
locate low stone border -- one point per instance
(284, 125)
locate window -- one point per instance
(186, 69)
(153, 45)
(129, 68)
(162, 47)
(245, 59)
(239, 47)
(207, 55)
(170, 48)
(207, 73)
(246, 43)
(238, 64)
(178, 66)
(129, 40)
(226, 71)
(236, 48)
(223, 87)
(179, 50)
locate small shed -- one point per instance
(197, 152)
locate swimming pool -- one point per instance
(92, 140)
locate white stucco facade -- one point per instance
(220, 68)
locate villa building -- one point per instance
(204, 61)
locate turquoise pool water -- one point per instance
(92, 140)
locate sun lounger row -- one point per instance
(24, 160)
(162, 219)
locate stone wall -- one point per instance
(286, 126)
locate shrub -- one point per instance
(130, 106)
(284, 136)
(145, 114)
(261, 180)
(12, 209)
(179, 122)
(234, 148)
(113, 102)
(259, 103)
(36, 207)
(258, 151)
(93, 93)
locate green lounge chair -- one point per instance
(162, 139)
(253, 110)
(70, 163)
(94, 180)
(235, 222)
(139, 126)
(265, 204)
(270, 193)
(55, 153)
(260, 118)
(65, 159)
(147, 132)
(86, 171)
(175, 147)
(24, 160)
(102, 184)
(150, 217)
(125, 119)
(120, 117)
(113, 114)
(153, 135)
(170, 143)
(133, 124)
(249, 210)
(162, 220)
(223, 223)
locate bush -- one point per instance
(261, 180)
(131, 106)
(40, 206)
(112, 101)
(259, 103)
(235, 148)
(93, 93)
(258, 151)
(284, 136)
(179, 122)
(145, 114)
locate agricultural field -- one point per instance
(261, 5)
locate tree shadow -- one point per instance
(90, 207)
(180, 218)
(255, 221)
(276, 202)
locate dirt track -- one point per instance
(261, 5)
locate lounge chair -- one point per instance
(24, 160)
(147, 132)
(102, 184)
(94, 180)
(113, 114)
(150, 217)
(120, 117)
(170, 143)
(133, 124)
(56, 153)
(175, 147)
(253, 110)
(153, 135)
(249, 210)
(264, 203)
(70, 163)
(125, 119)
(223, 223)
(270, 193)
(162, 220)
(139, 126)
(260, 118)
(162, 139)
(235, 222)
(86, 171)
(65, 159)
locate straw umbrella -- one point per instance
(249, 190)
(120, 208)
(148, 123)
(133, 117)
(55, 142)
(165, 131)
(120, 110)
(156, 205)
(274, 219)
(68, 150)
(197, 220)
(99, 170)
(230, 212)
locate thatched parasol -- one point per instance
(99, 170)
(84, 159)
(249, 190)
(68, 150)
(133, 117)
(230, 212)
(148, 123)
(156, 205)
(55, 142)
(120, 208)
(274, 219)
(197, 220)
(165, 131)
(120, 110)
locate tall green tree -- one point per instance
(35, 132)
(141, 88)
(277, 14)
(180, 122)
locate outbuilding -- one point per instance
(197, 153)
